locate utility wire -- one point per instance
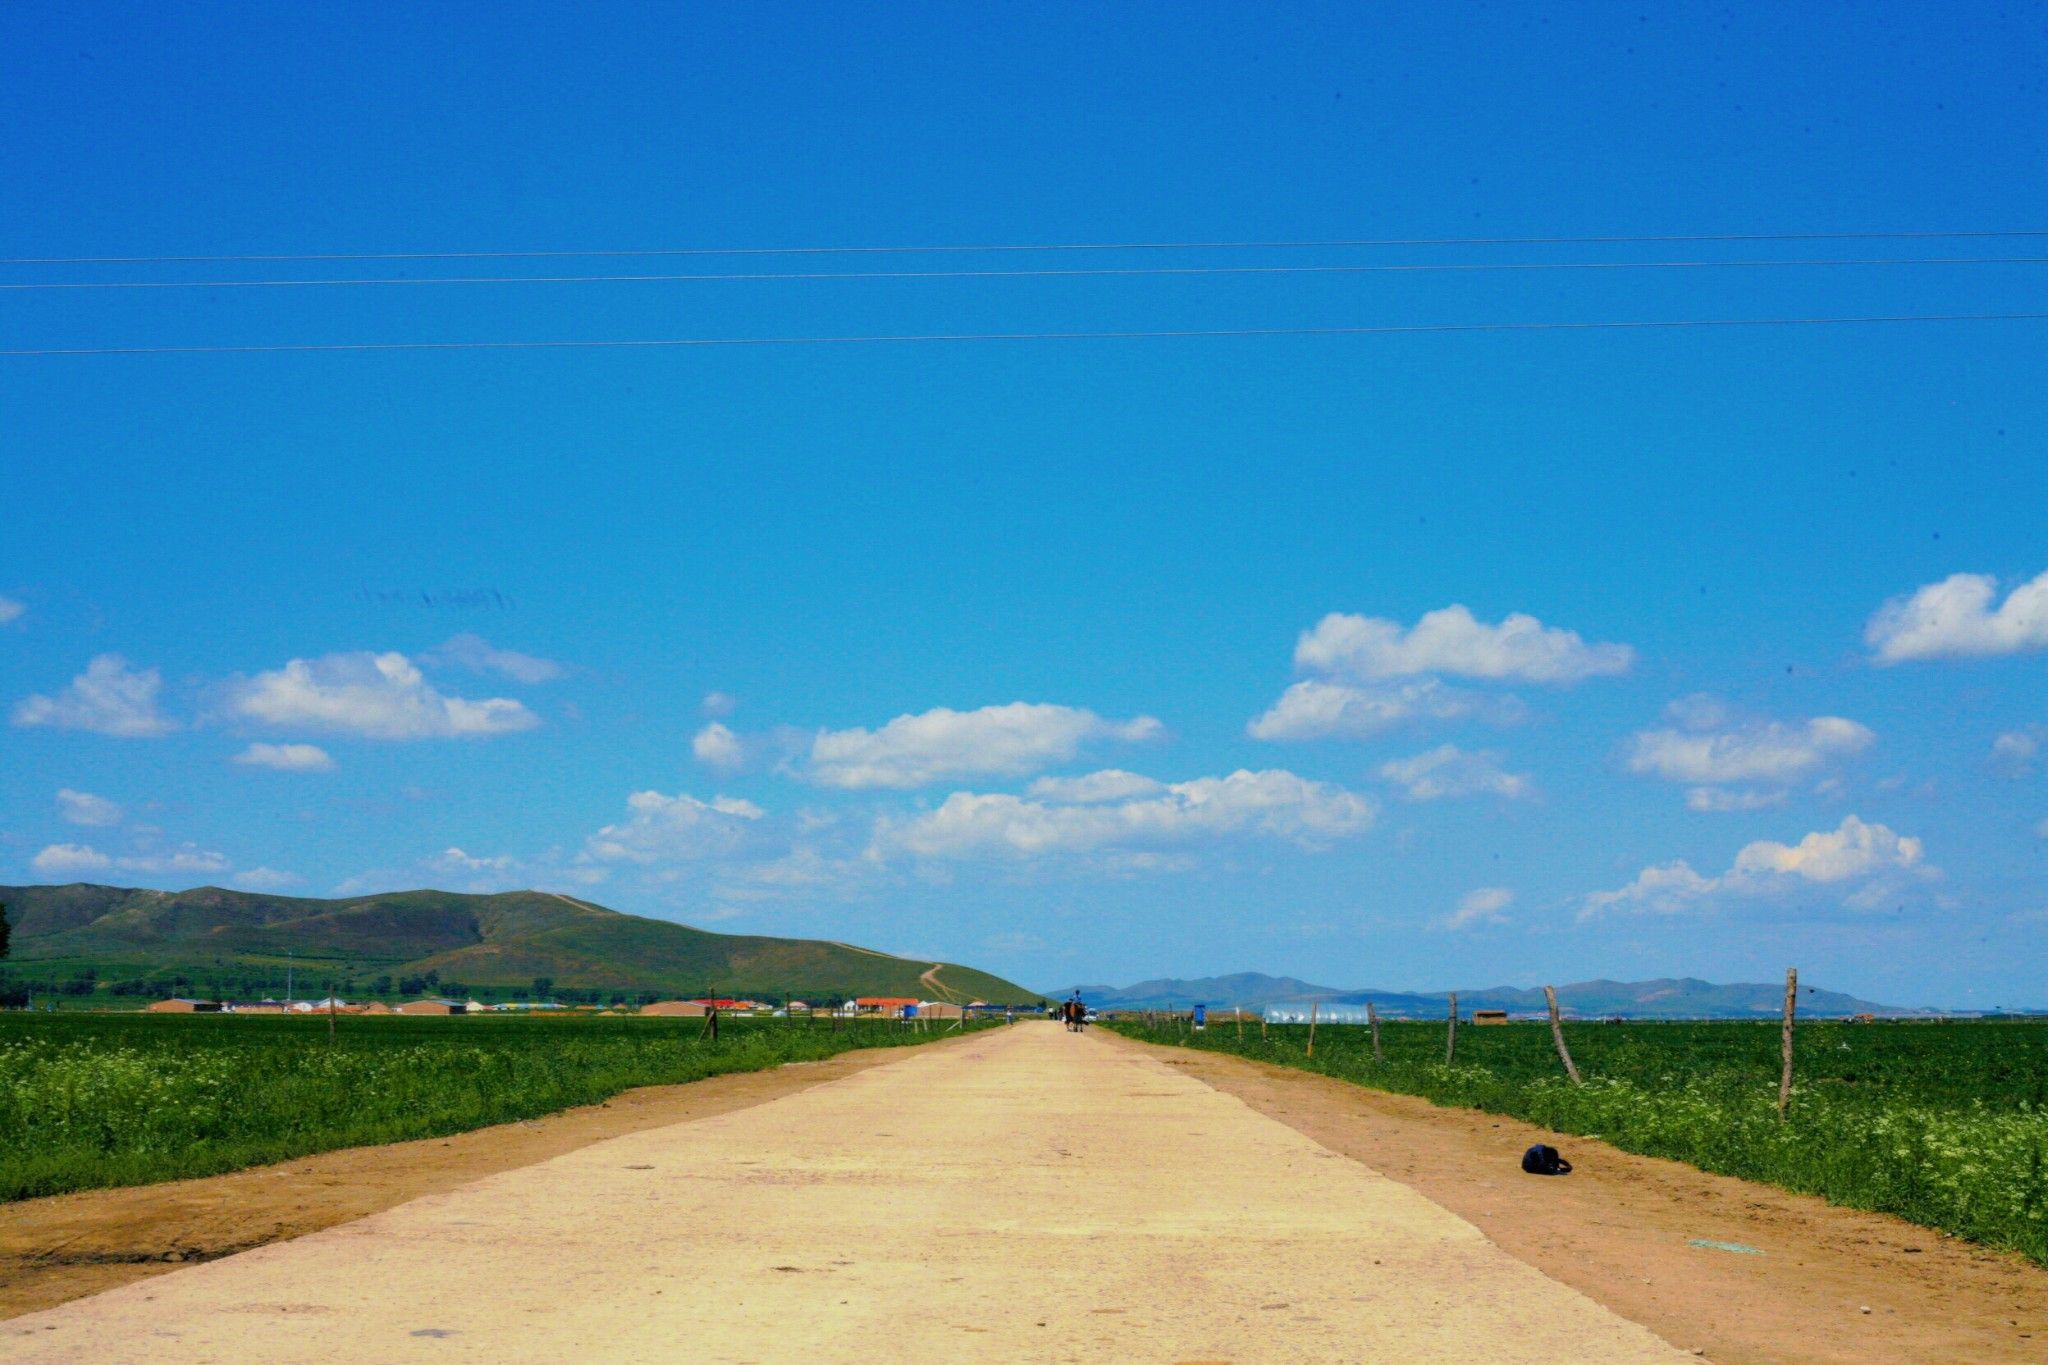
(1425, 267)
(1131, 335)
(1333, 244)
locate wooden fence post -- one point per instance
(1312, 1026)
(1240, 1023)
(1451, 1038)
(1557, 1036)
(1262, 1026)
(1785, 1073)
(1372, 1016)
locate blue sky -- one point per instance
(1415, 660)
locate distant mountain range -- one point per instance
(240, 942)
(1669, 998)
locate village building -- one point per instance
(1489, 1016)
(181, 1005)
(675, 1009)
(436, 1007)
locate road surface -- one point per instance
(1021, 1194)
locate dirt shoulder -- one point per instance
(71, 1245)
(1619, 1228)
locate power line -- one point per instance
(1420, 267)
(990, 248)
(1392, 329)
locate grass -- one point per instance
(95, 1100)
(1940, 1123)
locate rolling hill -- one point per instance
(1670, 998)
(241, 942)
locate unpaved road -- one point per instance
(1024, 1193)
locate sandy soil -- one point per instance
(1619, 1229)
(58, 1249)
(1021, 1193)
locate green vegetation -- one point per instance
(91, 1100)
(1940, 1123)
(109, 944)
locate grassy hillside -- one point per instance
(215, 941)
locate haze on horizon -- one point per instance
(1412, 660)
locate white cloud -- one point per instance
(109, 698)
(1487, 905)
(265, 879)
(479, 655)
(1768, 752)
(1856, 851)
(1316, 709)
(1448, 770)
(285, 758)
(2041, 830)
(718, 747)
(1110, 784)
(1722, 799)
(681, 828)
(2013, 753)
(1450, 640)
(719, 705)
(62, 859)
(455, 860)
(377, 696)
(994, 741)
(83, 808)
(1954, 619)
(1271, 804)
(10, 610)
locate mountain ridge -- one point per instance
(1660, 998)
(243, 941)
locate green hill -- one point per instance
(214, 941)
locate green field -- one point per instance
(1941, 1123)
(95, 1100)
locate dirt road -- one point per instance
(1024, 1193)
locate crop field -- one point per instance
(93, 1100)
(1940, 1123)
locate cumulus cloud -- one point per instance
(1856, 852)
(719, 705)
(83, 808)
(376, 696)
(1317, 709)
(455, 860)
(10, 609)
(1110, 784)
(716, 746)
(1452, 641)
(1955, 619)
(67, 859)
(64, 859)
(109, 698)
(941, 744)
(1487, 905)
(1759, 752)
(479, 655)
(1272, 804)
(677, 828)
(1448, 770)
(265, 879)
(1370, 673)
(285, 758)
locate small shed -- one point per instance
(1489, 1016)
(939, 1009)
